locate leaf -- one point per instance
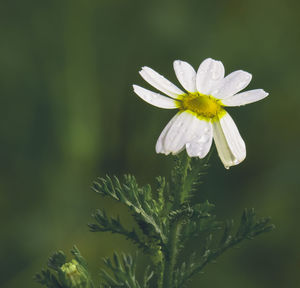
(123, 273)
(145, 209)
(57, 260)
(248, 228)
(63, 274)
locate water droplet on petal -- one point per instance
(215, 75)
(203, 139)
(179, 124)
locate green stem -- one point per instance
(172, 245)
(170, 259)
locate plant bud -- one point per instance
(74, 275)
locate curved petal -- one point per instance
(179, 133)
(246, 97)
(160, 141)
(230, 145)
(209, 75)
(155, 99)
(232, 84)
(201, 140)
(186, 75)
(160, 83)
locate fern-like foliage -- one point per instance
(168, 218)
(105, 223)
(122, 273)
(63, 274)
(215, 245)
(145, 208)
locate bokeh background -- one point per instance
(68, 115)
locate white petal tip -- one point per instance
(201, 156)
(209, 60)
(161, 151)
(145, 68)
(235, 162)
(177, 62)
(265, 93)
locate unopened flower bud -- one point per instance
(74, 275)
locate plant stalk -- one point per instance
(172, 246)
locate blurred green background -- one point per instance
(69, 115)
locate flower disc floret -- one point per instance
(205, 107)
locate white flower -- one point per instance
(201, 115)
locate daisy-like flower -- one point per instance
(201, 116)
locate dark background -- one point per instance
(68, 115)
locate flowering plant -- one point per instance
(169, 217)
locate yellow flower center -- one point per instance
(205, 107)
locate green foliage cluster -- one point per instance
(167, 218)
(63, 274)
(123, 273)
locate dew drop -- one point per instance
(242, 84)
(216, 91)
(203, 139)
(204, 68)
(215, 75)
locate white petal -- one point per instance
(160, 83)
(179, 133)
(232, 84)
(201, 139)
(186, 75)
(160, 141)
(209, 75)
(155, 99)
(230, 145)
(246, 97)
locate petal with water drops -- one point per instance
(160, 82)
(186, 75)
(178, 133)
(230, 145)
(209, 75)
(161, 139)
(201, 140)
(155, 99)
(232, 84)
(246, 97)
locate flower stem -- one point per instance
(172, 245)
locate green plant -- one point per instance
(168, 218)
